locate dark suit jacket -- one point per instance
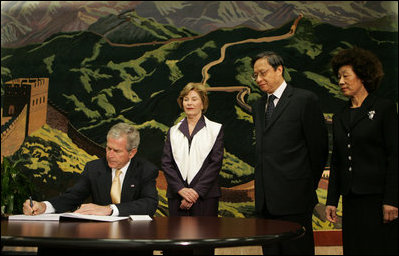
(365, 151)
(139, 194)
(291, 153)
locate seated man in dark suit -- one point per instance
(121, 184)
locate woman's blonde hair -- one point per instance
(200, 89)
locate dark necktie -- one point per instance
(270, 109)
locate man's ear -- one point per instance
(281, 70)
(132, 153)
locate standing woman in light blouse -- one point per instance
(192, 157)
(364, 162)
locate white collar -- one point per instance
(123, 169)
(279, 91)
(189, 160)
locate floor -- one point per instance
(244, 250)
(257, 250)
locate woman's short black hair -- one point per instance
(364, 63)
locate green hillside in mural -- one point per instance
(100, 78)
(50, 157)
(100, 84)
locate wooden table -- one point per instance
(197, 234)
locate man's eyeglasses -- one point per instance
(261, 73)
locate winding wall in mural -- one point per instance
(68, 78)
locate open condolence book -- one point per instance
(56, 217)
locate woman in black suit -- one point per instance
(364, 163)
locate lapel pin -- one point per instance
(132, 186)
(371, 114)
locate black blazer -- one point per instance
(291, 153)
(365, 151)
(139, 194)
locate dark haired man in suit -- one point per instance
(291, 151)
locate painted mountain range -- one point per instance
(127, 66)
(26, 22)
(98, 82)
(205, 16)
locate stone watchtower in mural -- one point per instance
(24, 111)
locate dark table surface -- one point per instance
(161, 233)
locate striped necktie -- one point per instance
(269, 109)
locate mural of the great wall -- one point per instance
(71, 70)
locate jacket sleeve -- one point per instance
(74, 196)
(316, 136)
(390, 132)
(169, 167)
(333, 190)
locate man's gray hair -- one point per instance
(122, 129)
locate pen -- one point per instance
(31, 203)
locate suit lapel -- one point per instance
(281, 105)
(364, 109)
(106, 181)
(362, 114)
(129, 176)
(261, 112)
(346, 117)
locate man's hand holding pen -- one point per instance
(31, 207)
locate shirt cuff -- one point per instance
(49, 207)
(115, 211)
